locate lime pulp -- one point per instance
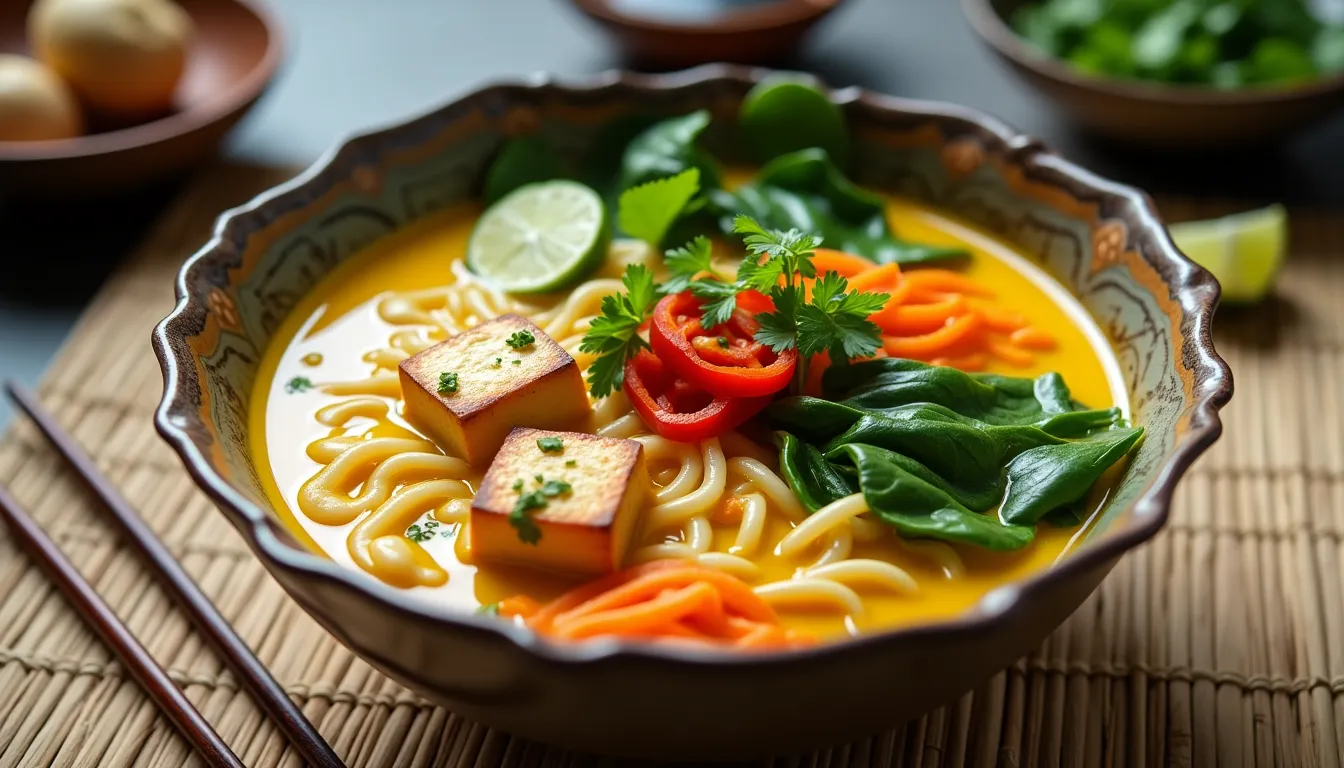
(540, 237)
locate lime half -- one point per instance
(783, 114)
(540, 237)
(1243, 251)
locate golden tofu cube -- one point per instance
(468, 392)
(584, 529)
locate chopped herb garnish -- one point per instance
(498, 361)
(572, 463)
(447, 383)
(298, 384)
(539, 479)
(692, 269)
(521, 339)
(614, 335)
(723, 342)
(528, 503)
(550, 444)
(422, 532)
(517, 362)
(491, 609)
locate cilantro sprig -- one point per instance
(692, 268)
(614, 335)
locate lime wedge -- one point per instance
(783, 114)
(540, 237)
(1243, 251)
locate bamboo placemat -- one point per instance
(1220, 643)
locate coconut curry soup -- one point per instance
(754, 410)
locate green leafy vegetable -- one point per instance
(933, 449)
(784, 113)
(447, 383)
(648, 211)
(614, 335)
(805, 191)
(550, 444)
(522, 161)
(668, 148)
(1220, 43)
(520, 339)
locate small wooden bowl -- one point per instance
(234, 53)
(753, 35)
(1154, 115)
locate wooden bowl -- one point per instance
(752, 35)
(233, 56)
(1185, 117)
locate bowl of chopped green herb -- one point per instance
(1178, 74)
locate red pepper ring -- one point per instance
(751, 369)
(678, 411)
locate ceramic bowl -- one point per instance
(1159, 116)
(759, 33)
(233, 57)
(1103, 240)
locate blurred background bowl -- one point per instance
(1151, 114)
(234, 54)
(672, 34)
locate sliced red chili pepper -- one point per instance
(725, 360)
(677, 409)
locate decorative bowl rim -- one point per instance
(238, 95)
(991, 27)
(1198, 290)
(764, 19)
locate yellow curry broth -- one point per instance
(337, 323)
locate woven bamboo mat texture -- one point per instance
(1219, 643)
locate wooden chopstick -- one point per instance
(208, 620)
(175, 704)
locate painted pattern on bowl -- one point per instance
(1104, 240)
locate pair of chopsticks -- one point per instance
(203, 614)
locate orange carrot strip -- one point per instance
(847, 264)
(736, 594)
(1009, 353)
(518, 605)
(544, 618)
(883, 278)
(763, 637)
(914, 319)
(932, 344)
(636, 620)
(947, 281)
(1032, 338)
(899, 295)
(1002, 320)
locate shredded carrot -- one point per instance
(1009, 352)
(518, 605)
(935, 315)
(1032, 338)
(729, 512)
(667, 601)
(928, 345)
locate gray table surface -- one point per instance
(356, 63)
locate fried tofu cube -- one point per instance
(468, 392)
(584, 530)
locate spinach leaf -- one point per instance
(890, 383)
(521, 161)
(804, 190)
(815, 481)
(667, 148)
(1050, 478)
(984, 496)
(917, 508)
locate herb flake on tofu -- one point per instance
(528, 504)
(521, 339)
(448, 383)
(550, 444)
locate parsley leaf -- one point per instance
(688, 262)
(550, 444)
(447, 383)
(614, 335)
(528, 503)
(779, 329)
(837, 322)
(649, 210)
(791, 250)
(521, 339)
(298, 384)
(721, 300)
